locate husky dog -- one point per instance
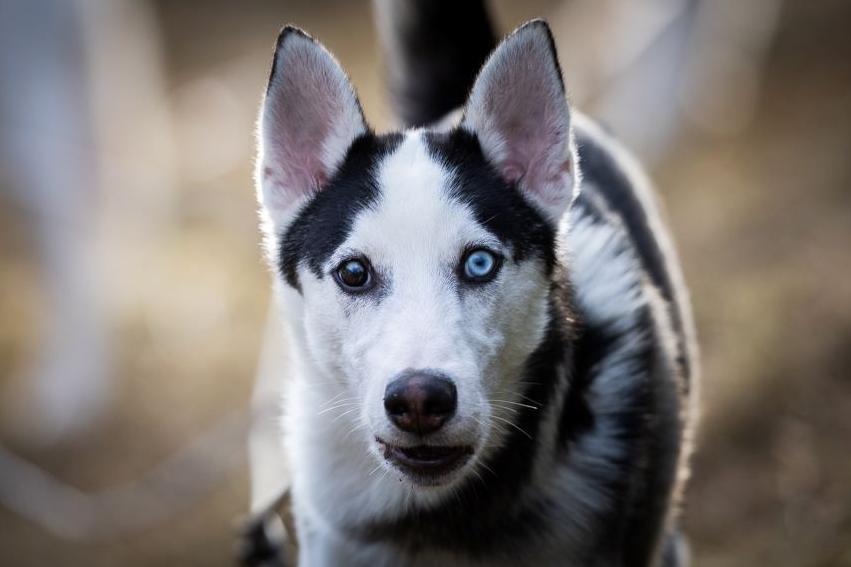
(491, 348)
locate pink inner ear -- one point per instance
(310, 118)
(537, 156)
(301, 121)
(297, 181)
(512, 171)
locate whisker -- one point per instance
(528, 399)
(332, 400)
(344, 413)
(349, 433)
(527, 383)
(478, 476)
(487, 468)
(530, 406)
(337, 399)
(514, 425)
(338, 406)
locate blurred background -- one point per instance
(133, 296)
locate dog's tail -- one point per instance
(433, 50)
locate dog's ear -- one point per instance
(518, 110)
(310, 117)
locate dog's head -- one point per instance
(421, 261)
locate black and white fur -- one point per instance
(574, 367)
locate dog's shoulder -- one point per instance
(616, 192)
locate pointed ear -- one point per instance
(518, 110)
(308, 121)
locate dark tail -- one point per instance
(433, 50)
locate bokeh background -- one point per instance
(133, 298)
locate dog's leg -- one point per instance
(676, 551)
(318, 548)
(262, 540)
(263, 536)
(270, 475)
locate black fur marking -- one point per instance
(487, 517)
(576, 416)
(604, 177)
(498, 206)
(323, 224)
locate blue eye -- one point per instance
(480, 265)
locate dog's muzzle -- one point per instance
(420, 403)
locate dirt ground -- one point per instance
(762, 218)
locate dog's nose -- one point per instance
(420, 402)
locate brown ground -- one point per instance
(763, 221)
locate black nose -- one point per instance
(420, 402)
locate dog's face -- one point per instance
(422, 260)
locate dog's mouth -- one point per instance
(426, 464)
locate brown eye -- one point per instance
(353, 275)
